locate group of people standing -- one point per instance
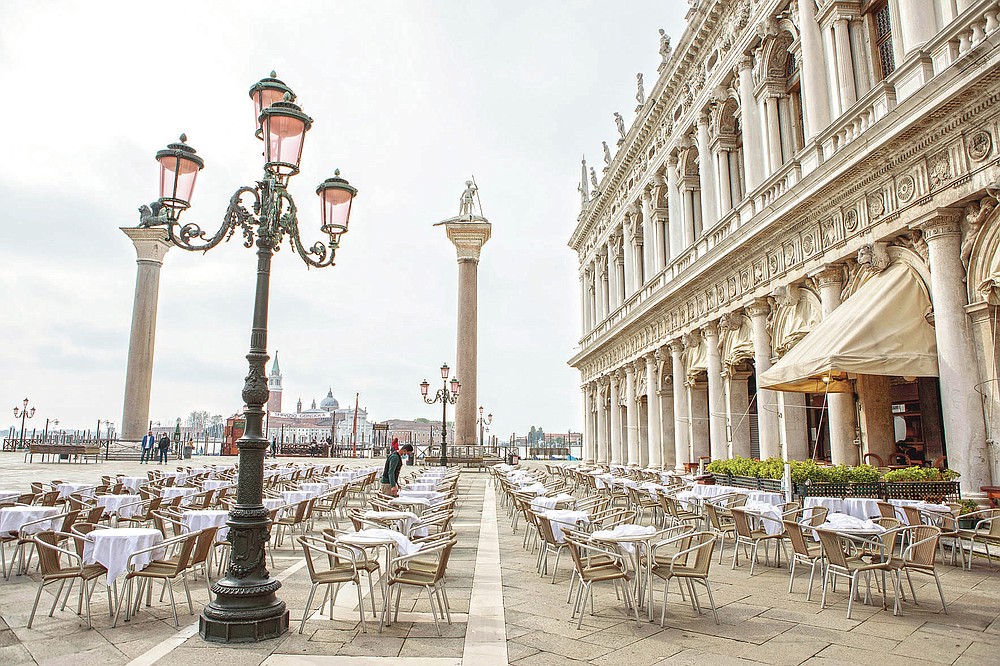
(149, 442)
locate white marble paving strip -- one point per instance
(166, 646)
(486, 632)
(321, 660)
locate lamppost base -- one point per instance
(246, 625)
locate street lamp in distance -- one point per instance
(445, 397)
(23, 413)
(484, 423)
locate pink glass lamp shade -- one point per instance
(179, 167)
(445, 371)
(455, 386)
(424, 388)
(284, 126)
(336, 196)
(264, 93)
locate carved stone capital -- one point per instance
(759, 308)
(469, 238)
(832, 275)
(940, 223)
(676, 346)
(151, 243)
(711, 330)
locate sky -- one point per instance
(409, 98)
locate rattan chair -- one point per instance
(606, 566)
(342, 568)
(691, 564)
(50, 557)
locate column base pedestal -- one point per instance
(243, 625)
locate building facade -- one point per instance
(794, 249)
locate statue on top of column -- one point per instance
(640, 92)
(467, 205)
(665, 49)
(620, 124)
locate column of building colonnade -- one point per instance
(840, 406)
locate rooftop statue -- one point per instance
(665, 48)
(640, 93)
(620, 123)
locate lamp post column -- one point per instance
(469, 236)
(151, 246)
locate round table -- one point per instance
(200, 519)
(67, 489)
(13, 518)
(314, 489)
(271, 503)
(10, 495)
(171, 492)
(403, 520)
(112, 548)
(215, 484)
(133, 483)
(123, 506)
(296, 496)
(628, 538)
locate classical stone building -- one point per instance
(794, 250)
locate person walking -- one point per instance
(274, 447)
(148, 441)
(393, 466)
(164, 446)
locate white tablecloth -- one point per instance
(10, 495)
(859, 507)
(376, 537)
(404, 520)
(771, 511)
(123, 506)
(425, 494)
(133, 483)
(338, 479)
(67, 489)
(846, 524)
(295, 496)
(920, 505)
(196, 520)
(421, 486)
(275, 503)
(172, 491)
(179, 477)
(559, 518)
(113, 547)
(13, 517)
(624, 536)
(314, 488)
(215, 484)
(540, 503)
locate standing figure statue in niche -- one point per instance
(467, 206)
(640, 93)
(620, 123)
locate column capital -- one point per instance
(151, 243)
(672, 160)
(630, 369)
(703, 119)
(469, 238)
(646, 196)
(761, 307)
(745, 62)
(654, 357)
(711, 329)
(830, 275)
(676, 346)
(939, 223)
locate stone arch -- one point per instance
(983, 275)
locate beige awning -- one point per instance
(880, 330)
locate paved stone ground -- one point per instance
(761, 622)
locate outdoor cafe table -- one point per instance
(295, 496)
(404, 520)
(425, 494)
(215, 484)
(630, 539)
(9, 495)
(123, 506)
(920, 505)
(383, 541)
(559, 518)
(541, 503)
(859, 507)
(112, 548)
(67, 489)
(314, 489)
(421, 486)
(170, 492)
(13, 518)
(338, 479)
(133, 483)
(271, 503)
(178, 477)
(200, 519)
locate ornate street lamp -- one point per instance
(484, 425)
(445, 397)
(23, 413)
(245, 607)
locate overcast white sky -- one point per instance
(408, 98)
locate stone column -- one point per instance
(616, 420)
(738, 395)
(917, 24)
(716, 411)
(604, 302)
(650, 239)
(816, 100)
(614, 289)
(706, 173)
(653, 410)
(584, 289)
(845, 64)
(841, 413)
(753, 142)
(725, 182)
(469, 238)
(675, 208)
(698, 408)
(588, 426)
(629, 250)
(151, 246)
(666, 402)
(981, 316)
(662, 255)
(794, 426)
(603, 443)
(631, 416)
(682, 419)
(876, 415)
(767, 410)
(690, 233)
(961, 406)
(773, 133)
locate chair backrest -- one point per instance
(817, 515)
(884, 508)
(832, 548)
(94, 514)
(186, 550)
(49, 558)
(888, 523)
(795, 534)
(203, 546)
(712, 511)
(873, 459)
(741, 523)
(69, 518)
(50, 498)
(923, 545)
(913, 515)
(36, 487)
(702, 544)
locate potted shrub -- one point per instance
(968, 506)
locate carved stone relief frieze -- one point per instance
(979, 145)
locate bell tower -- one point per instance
(274, 387)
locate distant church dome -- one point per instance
(329, 403)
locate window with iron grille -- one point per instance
(883, 39)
